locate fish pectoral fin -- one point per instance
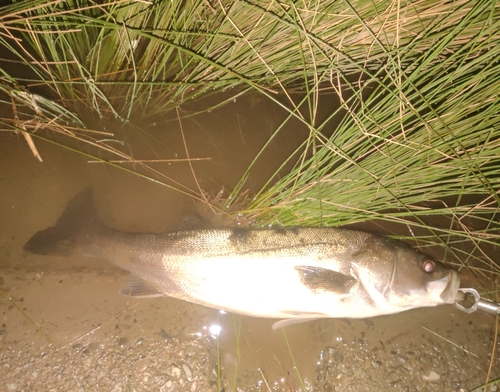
(317, 278)
(138, 288)
(293, 321)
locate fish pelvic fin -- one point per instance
(60, 239)
(138, 288)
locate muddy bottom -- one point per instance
(68, 329)
(64, 327)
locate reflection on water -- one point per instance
(90, 338)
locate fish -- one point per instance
(294, 274)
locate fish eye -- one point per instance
(428, 265)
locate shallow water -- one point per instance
(64, 326)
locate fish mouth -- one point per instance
(444, 290)
(449, 294)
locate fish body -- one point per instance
(290, 273)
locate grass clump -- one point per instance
(143, 57)
(418, 84)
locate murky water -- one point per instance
(64, 326)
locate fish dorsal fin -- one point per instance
(193, 221)
(138, 288)
(317, 278)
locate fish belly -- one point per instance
(263, 287)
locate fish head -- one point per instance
(396, 277)
(419, 281)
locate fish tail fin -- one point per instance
(61, 238)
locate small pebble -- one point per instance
(187, 371)
(123, 342)
(433, 376)
(139, 341)
(176, 372)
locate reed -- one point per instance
(128, 57)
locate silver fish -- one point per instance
(296, 274)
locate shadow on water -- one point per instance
(103, 341)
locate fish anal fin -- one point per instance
(297, 317)
(138, 288)
(293, 321)
(323, 279)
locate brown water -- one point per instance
(64, 326)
